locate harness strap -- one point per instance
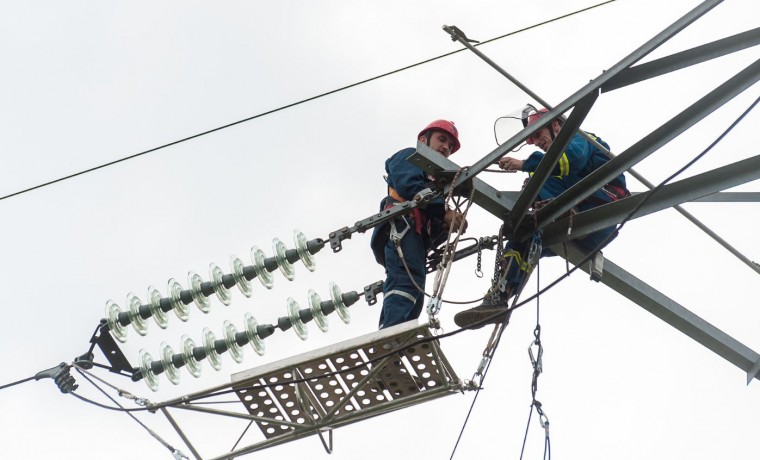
(416, 214)
(394, 194)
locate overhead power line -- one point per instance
(302, 101)
(8, 385)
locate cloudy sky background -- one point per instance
(87, 83)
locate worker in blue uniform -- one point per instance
(402, 245)
(579, 159)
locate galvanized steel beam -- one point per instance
(650, 143)
(671, 312)
(594, 85)
(683, 59)
(667, 196)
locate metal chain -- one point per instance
(497, 269)
(479, 266)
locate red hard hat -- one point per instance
(445, 126)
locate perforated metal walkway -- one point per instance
(344, 383)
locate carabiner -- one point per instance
(535, 248)
(536, 360)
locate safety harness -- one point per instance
(415, 214)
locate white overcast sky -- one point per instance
(85, 83)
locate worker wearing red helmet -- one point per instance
(579, 159)
(416, 232)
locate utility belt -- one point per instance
(414, 219)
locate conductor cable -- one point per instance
(302, 101)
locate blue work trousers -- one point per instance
(518, 252)
(402, 301)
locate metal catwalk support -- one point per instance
(318, 391)
(628, 285)
(649, 70)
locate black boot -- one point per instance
(494, 309)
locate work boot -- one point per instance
(485, 313)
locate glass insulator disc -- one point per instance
(303, 251)
(242, 283)
(138, 322)
(295, 320)
(194, 280)
(337, 297)
(112, 317)
(286, 268)
(208, 344)
(252, 332)
(258, 257)
(316, 311)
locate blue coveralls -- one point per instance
(578, 160)
(402, 301)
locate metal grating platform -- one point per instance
(338, 385)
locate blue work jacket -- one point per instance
(580, 159)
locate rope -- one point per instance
(450, 250)
(497, 333)
(123, 393)
(537, 363)
(444, 266)
(175, 452)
